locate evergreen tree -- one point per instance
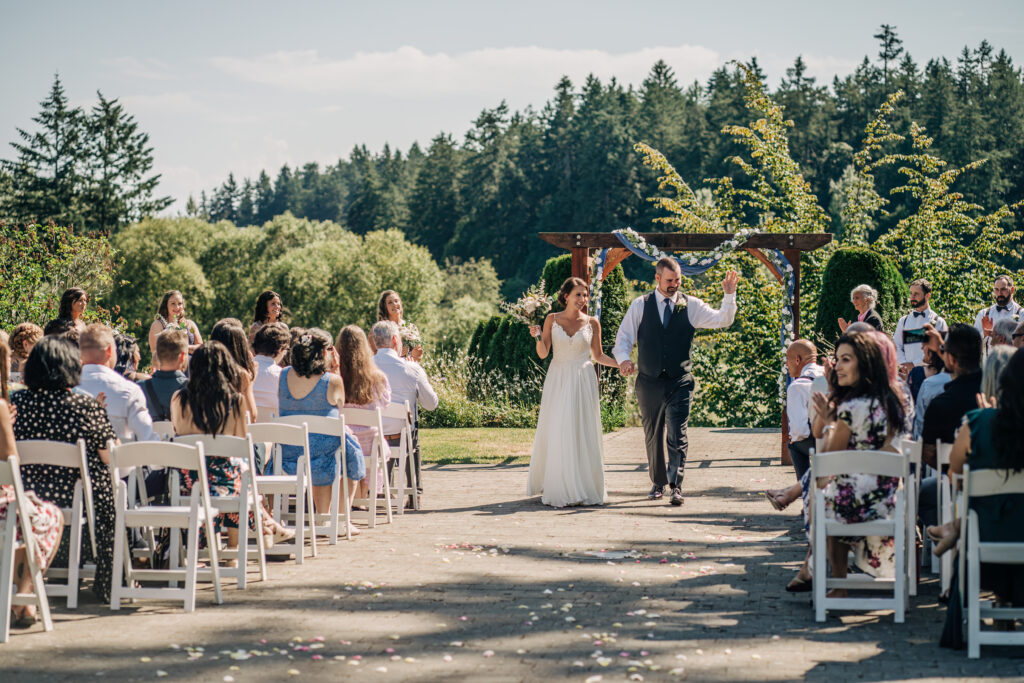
(263, 198)
(46, 178)
(891, 48)
(223, 206)
(246, 212)
(119, 159)
(434, 207)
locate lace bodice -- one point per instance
(574, 349)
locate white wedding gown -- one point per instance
(567, 464)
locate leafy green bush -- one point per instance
(557, 270)
(472, 396)
(852, 266)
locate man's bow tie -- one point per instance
(1002, 308)
(918, 313)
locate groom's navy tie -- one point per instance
(668, 313)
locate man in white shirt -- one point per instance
(802, 366)
(409, 383)
(909, 335)
(662, 323)
(1004, 307)
(124, 400)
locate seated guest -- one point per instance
(6, 383)
(961, 354)
(307, 388)
(867, 411)
(62, 327)
(168, 376)
(270, 346)
(365, 386)
(128, 357)
(864, 298)
(45, 522)
(229, 332)
(268, 310)
(1002, 332)
(994, 439)
(171, 314)
(48, 410)
(72, 305)
(863, 411)
(1018, 335)
(408, 382)
(935, 381)
(998, 358)
(23, 338)
(123, 399)
(802, 366)
(210, 403)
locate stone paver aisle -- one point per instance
(485, 584)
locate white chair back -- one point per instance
(377, 458)
(911, 450)
(946, 508)
(164, 429)
(18, 513)
(974, 551)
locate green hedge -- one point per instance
(852, 266)
(557, 270)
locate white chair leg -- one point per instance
(117, 573)
(387, 490)
(300, 516)
(40, 591)
(261, 548)
(192, 561)
(75, 550)
(7, 574)
(310, 509)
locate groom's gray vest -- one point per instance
(664, 352)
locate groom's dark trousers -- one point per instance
(665, 409)
(663, 389)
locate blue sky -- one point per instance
(240, 86)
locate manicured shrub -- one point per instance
(852, 266)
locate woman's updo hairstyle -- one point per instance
(567, 287)
(308, 352)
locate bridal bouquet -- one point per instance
(532, 306)
(410, 335)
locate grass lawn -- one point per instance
(483, 446)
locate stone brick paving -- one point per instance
(485, 584)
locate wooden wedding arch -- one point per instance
(791, 245)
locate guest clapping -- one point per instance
(864, 298)
(23, 338)
(171, 314)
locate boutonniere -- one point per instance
(680, 305)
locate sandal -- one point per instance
(770, 495)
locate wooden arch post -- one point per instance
(791, 245)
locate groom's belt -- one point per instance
(665, 375)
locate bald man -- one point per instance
(802, 366)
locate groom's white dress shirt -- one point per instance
(699, 313)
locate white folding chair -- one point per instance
(404, 482)
(974, 551)
(81, 512)
(238, 449)
(176, 517)
(911, 450)
(18, 514)
(285, 487)
(376, 460)
(164, 429)
(943, 566)
(878, 463)
(328, 523)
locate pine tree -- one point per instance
(246, 212)
(47, 175)
(435, 204)
(191, 207)
(119, 159)
(264, 199)
(891, 48)
(223, 205)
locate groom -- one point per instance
(662, 323)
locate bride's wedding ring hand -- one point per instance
(535, 331)
(626, 368)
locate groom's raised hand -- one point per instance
(729, 283)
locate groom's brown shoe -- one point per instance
(656, 492)
(677, 496)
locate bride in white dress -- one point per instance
(567, 464)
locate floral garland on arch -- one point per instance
(695, 263)
(596, 282)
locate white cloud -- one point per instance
(410, 72)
